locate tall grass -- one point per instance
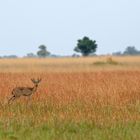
(72, 106)
(69, 106)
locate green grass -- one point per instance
(24, 125)
(68, 130)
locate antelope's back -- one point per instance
(22, 91)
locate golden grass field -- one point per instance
(78, 99)
(68, 64)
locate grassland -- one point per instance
(101, 63)
(78, 99)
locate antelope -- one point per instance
(24, 91)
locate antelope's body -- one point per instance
(24, 91)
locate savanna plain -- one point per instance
(93, 98)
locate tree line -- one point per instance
(85, 46)
(130, 50)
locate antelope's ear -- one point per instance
(32, 80)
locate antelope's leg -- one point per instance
(29, 100)
(11, 99)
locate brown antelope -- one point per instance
(24, 91)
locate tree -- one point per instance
(86, 46)
(10, 56)
(43, 51)
(131, 50)
(30, 55)
(117, 53)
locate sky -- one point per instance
(58, 24)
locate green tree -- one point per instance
(131, 50)
(43, 51)
(86, 46)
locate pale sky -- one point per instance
(58, 24)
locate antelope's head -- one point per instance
(36, 81)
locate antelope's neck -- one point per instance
(35, 88)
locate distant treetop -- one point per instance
(86, 46)
(43, 51)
